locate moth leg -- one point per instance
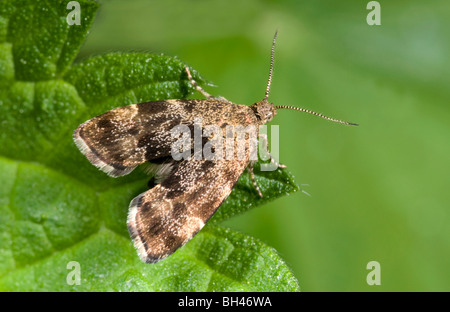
(197, 87)
(224, 99)
(160, 168)
(252, 176)
(200, 89)
(266, 149)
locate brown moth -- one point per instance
(187, 191)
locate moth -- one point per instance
(187, 192)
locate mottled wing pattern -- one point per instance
(167, 216)
(189, 191)
(125, 137)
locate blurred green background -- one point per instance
(378, 191)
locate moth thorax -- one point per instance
(264, 110)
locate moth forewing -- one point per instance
(167, 216)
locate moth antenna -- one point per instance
(316, 114)
(271, 66)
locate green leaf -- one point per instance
(244, 196)
(57, 208)
(41, 53)
(218, 259)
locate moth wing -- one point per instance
(123, 138)
(167, 216)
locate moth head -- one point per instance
(264, 110)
